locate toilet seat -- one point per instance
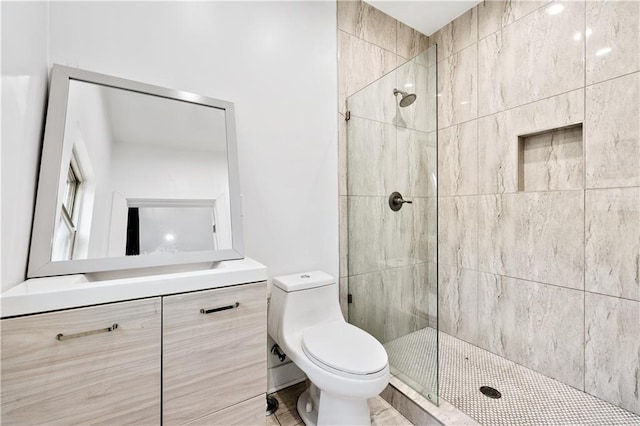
(344, 350)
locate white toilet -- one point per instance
(345, 365)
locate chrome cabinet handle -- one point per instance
(396, 201)
(63, 337)
(221, 308)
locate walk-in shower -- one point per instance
(412, 282)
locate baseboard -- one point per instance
(283, 376)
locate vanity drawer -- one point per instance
(213, 350)
(68, 368)
(249, 412)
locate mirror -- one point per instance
(132, 176)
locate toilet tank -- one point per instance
(302, 300)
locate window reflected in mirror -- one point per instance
(66, 229)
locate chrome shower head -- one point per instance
(407, 98)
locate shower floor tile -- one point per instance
(528, 397)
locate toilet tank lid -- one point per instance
(303, 281)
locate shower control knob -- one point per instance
(396, 201)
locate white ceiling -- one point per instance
(146, 119)
(426, 16)
(141, 118)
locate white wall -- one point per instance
(149, 171)
(275, 61)
(24, 86)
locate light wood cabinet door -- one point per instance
(213, 360)
(106, 377)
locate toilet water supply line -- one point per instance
(275, 349)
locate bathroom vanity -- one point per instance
(173, 349)
(137, 182)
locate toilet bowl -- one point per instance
(345, 365)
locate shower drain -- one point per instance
(490, 392)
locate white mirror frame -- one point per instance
(40, 255)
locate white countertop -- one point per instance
(71, 291)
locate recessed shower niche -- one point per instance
(551, 159)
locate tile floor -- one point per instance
(381, 412)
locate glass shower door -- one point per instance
(392, 218)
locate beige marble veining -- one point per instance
(457, 87)
(537, 236)
(406, 300)
(376, 101)
(424, 229)
(612, 133)
(415, 164)
(613, 39)
(534, 58)
(493, 15)
(368, 23)
(368, 308)
(427, 57)
(458, 231)
(612, 236)
(456, 35)
(367, 229)
(409, 41)
(360, 63)
(458, 159)
(526, 321)
(380, 238)
(390, 303)
(458, 303)
(498, 137)
(612, 352)
(371, 149)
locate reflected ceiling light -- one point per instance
(408, 86)
(554, 9)
(577, 36)
(464, 102)
(603, 51)
(169, 237)
(588, 32)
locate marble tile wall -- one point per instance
(545, 274)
